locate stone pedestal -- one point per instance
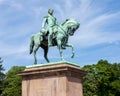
(62, 79)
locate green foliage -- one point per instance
(12, 82)
(1, 70)
(103, 79)
(2, 75)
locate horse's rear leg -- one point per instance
(35, 50)
(31, 44)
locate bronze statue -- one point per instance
(60, 34)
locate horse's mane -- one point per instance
(64, 21)
(68, 21)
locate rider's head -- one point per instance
(50, 11)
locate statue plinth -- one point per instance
(61, 79)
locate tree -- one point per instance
(12, 82)
(2, 75)
(115, 79)
(103, 79)
(89, 81)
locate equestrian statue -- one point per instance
(53, 34)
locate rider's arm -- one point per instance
(44, 22)
(56, 21)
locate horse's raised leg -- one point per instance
(70, 45)
(34, 52)
(60, 49)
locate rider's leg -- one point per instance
(50, 37)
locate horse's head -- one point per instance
(72, 26)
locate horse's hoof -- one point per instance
(62, 59)
(35, 63)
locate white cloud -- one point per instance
(11, 3)
(16, 5)
(8, 50)
(59, 10)
(103, 19)
(2, 1)
(94, 38)
(93, 31)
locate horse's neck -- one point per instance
(65, 28)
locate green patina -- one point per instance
(53, 34)
(53, 63)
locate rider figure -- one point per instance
(50, 20)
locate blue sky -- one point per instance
(97, 38)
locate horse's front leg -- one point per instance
(70, 45)
(60, 49)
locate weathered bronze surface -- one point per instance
(53, 34)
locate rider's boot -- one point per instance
(49, 41)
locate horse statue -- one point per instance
(60, 39)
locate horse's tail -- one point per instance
(31, 44)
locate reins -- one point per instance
(64, 33)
